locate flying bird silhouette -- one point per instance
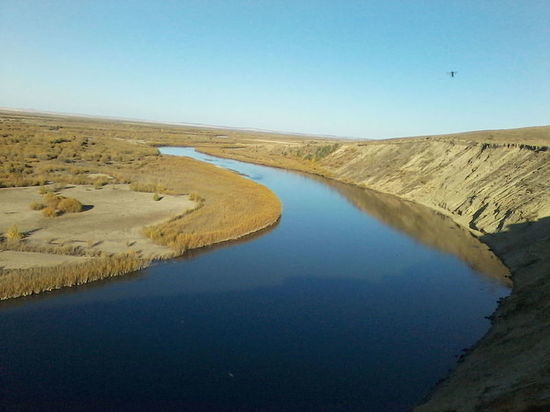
(452, 74)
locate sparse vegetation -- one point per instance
(37, 205)
(52, 200)
(100, 182)
(148, 187)
(50, 212)
(69, 205)
(68, 250)
(195, 197)
(13, 234)
(55, 205)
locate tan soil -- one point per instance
(10, 259)
(113, 223)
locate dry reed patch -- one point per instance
(24, 282)
(69, 205)
(230, 205)
(50, 212)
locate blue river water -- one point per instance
(331, 309)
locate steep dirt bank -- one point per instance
(497, 185)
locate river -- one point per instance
(353, 301)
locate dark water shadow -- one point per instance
(523, 246)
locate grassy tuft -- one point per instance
(13, 233)
(50, 212)
(37, 205)
(69, 205)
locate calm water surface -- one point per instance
(332, 309)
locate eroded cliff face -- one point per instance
(497, 184)
(485, 188)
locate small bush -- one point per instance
(58, 187)
(13, 233)
(52, 200)
(37, 205)
(69, 205)
(43, 190)
(156, 197)
(49, 212)
(99, 182)
(195, 197)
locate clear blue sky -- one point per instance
(350, 68)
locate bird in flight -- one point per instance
(452, 74)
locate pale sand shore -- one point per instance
(112, 222)
(10, 259)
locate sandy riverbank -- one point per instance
(112, 221)
(138, 205)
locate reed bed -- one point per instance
(228, 205)
(23, 282)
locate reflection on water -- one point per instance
(427, 226)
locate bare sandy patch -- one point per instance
(10, 259)
(99, 175)
(112, 220)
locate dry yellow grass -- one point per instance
(40, 150)
(69, 205)
(229, 206)
(24, 282)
